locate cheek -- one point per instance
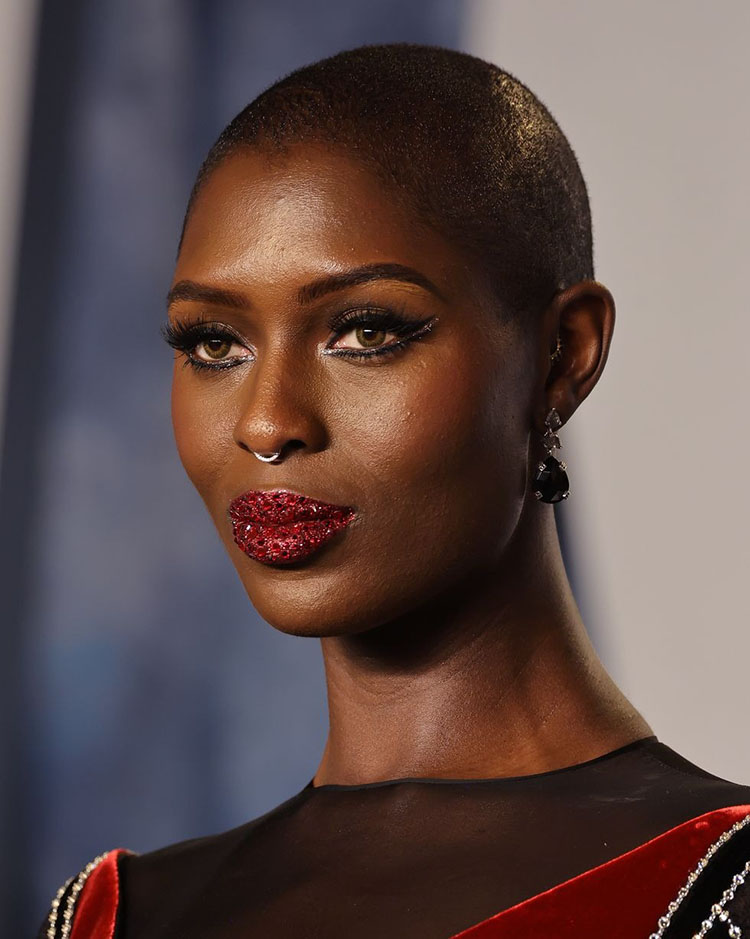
(441, 456)
(440, 426)
(202, 428)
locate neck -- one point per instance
(495, 677)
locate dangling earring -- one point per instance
(551, 480)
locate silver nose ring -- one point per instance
(267, 459)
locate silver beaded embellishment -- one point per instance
(717, 910)
(719, 913)
(70, 903)
(53, 912)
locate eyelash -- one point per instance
(184, 334)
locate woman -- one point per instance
(383, 311)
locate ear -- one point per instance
(583, 317)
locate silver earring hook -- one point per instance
(267, 459)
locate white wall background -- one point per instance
(17, 22)
(654, 98)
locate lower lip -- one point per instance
(284, 543)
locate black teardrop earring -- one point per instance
(551, 480)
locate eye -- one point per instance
(205, 345)
(374, 332)
(216, 349)
(366, 337)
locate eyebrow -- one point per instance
(364, 275)
(190, 290)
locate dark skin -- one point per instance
(452, 643)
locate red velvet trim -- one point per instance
(96, 909)
(621, 899)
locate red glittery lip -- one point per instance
(277, 526)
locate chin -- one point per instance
(309, 630)
(337, 594)
(317, 607)
(315, 620)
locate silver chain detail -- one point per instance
(717, 910)
(719, 913)
(70, 903)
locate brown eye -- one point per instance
(216, 348)
(374, 333)
(368, 337)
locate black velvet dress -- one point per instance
(432, 859)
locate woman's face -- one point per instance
(424, 435)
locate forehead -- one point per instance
(279, 219)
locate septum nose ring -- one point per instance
(267, 459)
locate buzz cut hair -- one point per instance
(459, 141)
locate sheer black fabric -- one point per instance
(417, 858)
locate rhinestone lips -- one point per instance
(275, 526)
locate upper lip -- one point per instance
(280, 506)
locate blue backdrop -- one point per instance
(143, 700)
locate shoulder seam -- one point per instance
(685, 767)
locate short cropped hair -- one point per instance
(461, 142)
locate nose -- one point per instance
(279, 409)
